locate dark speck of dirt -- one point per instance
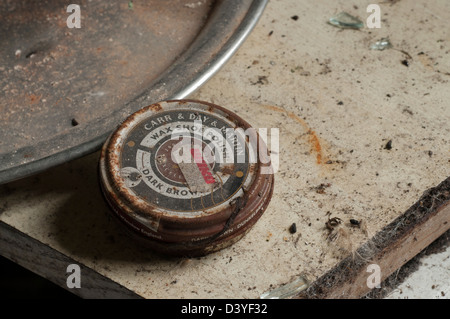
(293, 228)
(355, 222)
(340, 103)
(388, 145)
(262, 79)
(295, 18)
(270, 33)
(74, 122)
(408, 111)
(321, 188)
(405, 62)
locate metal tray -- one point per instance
(63, 90)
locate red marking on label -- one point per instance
(202, 166)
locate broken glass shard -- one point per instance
(346, 21)
(382, 44)
(288, 290)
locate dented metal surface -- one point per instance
(161, 207)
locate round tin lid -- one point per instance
(186, 175)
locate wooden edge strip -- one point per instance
(52, 265)
(389, 249)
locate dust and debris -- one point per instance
(407, 110)
(325, 66)
(358, 260)
(262, 80)
(338, 235)
(299, 236)
(332, 223)
(388, 145)
(293, 228)
(321, 188)
(385, 43)
(408, 56)
(302, 72)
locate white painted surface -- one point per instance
(430, 281)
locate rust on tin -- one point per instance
(166, 202)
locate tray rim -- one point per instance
(15, 165)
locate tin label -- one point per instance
(197, 172)
(184, 160)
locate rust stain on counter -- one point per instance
(313, 138)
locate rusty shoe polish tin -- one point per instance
(186, 177)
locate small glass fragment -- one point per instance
(346, 21)
(381, 44)
(287, 291)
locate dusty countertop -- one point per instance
(362, 135)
